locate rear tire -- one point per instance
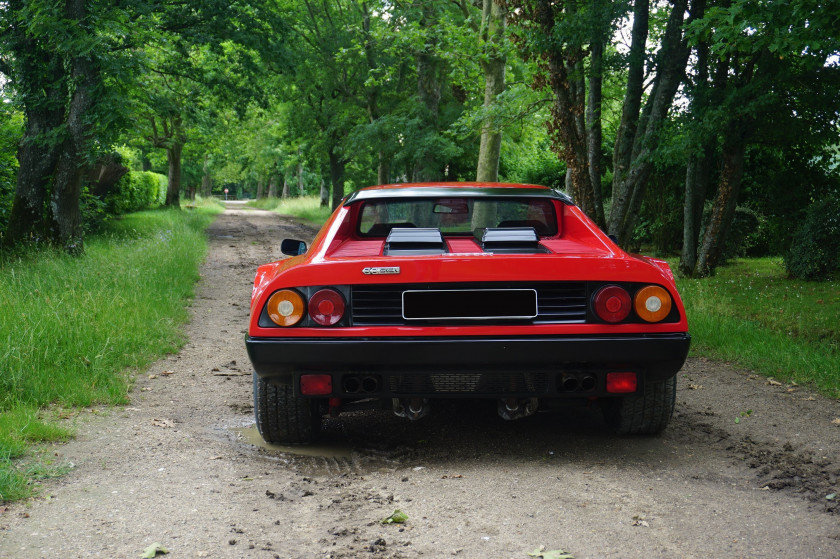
(282, 417)
(642, 414)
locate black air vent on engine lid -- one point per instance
(518, 240)
(418, 241)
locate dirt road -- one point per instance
(179, 466)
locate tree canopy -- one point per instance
(699, 127)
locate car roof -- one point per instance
(456, 189)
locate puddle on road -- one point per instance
(251, 436)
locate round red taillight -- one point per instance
(612, 303)
(326, 307)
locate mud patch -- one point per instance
(785, 468)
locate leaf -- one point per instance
(153, 551)
(551, 554)
(398, 517)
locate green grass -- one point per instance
(750, 313)
(307, 208)
(73, 329)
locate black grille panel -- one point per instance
(381, 305)
(466, 383)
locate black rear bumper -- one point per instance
(464, 367)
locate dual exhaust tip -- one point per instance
(577, 383)
(356, 384)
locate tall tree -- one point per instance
(554, 34)
(428, 166)
(39, 79)
(631, 172)
(493, 61)
(774, 72)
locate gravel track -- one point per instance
(182, 465)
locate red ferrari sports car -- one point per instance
(505, 292)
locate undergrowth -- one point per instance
(72, 329)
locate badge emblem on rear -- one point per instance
(389, 271)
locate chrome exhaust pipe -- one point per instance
(413, 409)
(588, 383)
(514, 408)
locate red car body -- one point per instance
(502, 291)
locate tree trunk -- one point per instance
(567, 127)
(173, 158)
(300, 175)
(206, 178)
(42, 84)
(490, 147)
(65, 212)
(272, 186)
(593, 124)
(723, 211)
(37, 164)
(427, 167)
(383, 170)
(285, 193)
(622, 154)
(337, 166)
(325, 194)
(260, 188)
(629, 185)
(697, 177)
(698, 171)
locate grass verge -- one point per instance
(751, 314)
(72, 329)
(307, 208)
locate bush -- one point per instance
(745, 233)
(135, 191)
(815, 251)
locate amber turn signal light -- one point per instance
(285, 307)
(652, 303)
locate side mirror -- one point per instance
(292, 247)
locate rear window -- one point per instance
(457, 216)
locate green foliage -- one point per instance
(11, 129)
(815, 251)
(71, 328)
(750, 313)
(135, 191)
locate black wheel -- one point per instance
(282, 417)
(646, 414)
